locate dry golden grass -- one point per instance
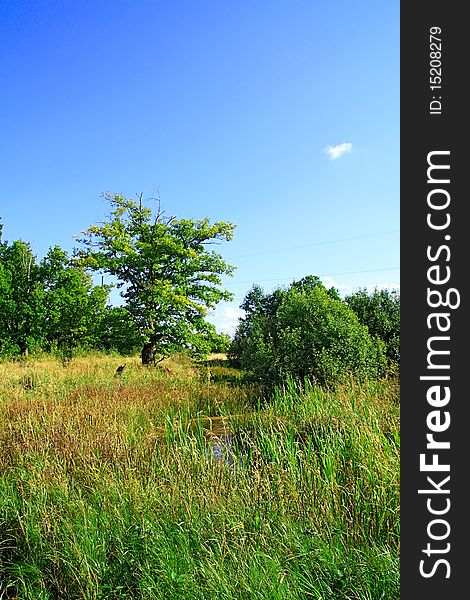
(84, 414)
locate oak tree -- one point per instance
(168, 275)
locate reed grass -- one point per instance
(109, 488)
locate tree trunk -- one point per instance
(148, 353)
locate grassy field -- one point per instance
(110, 487)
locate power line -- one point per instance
(359, 237)
(323, 275)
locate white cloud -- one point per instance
(329, 282)
(225, 318)
(335, 152)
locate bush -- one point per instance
(307, 332)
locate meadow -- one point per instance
(123, 487)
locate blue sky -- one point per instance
(279, 116)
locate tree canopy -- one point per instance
(21, 299)
(73, 306)
(380, 311)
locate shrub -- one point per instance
(308, 333)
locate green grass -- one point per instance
(107, 493)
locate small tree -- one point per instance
(171, 279)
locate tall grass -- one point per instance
(109, 488)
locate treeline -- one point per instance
(52, 306)
(308, 331)
(170, 279)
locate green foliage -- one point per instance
(51, 305)
(170, 280)
(117, 332)
(169, 276)
(21, 299)
(304, 331)
(380, 311)
(220, 343)
(73, 305)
